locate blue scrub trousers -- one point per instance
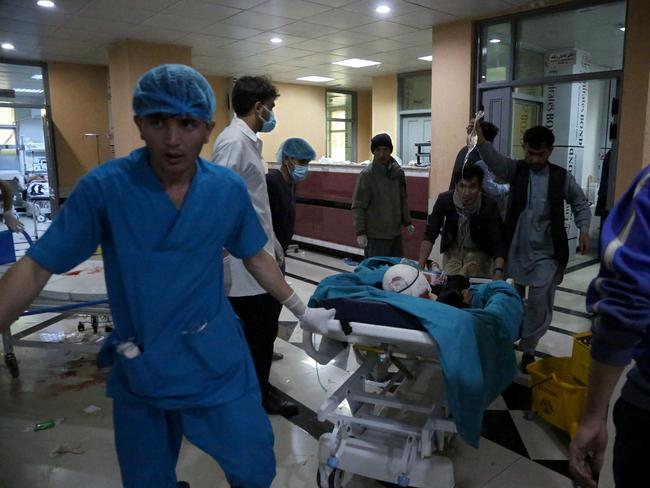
(236, 434)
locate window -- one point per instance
(567, 41)
(561, 68)
(495, 52)
(576, 41)
(340, 125)
(416, 92)
(21, 84)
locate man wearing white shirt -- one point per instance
(239, 148)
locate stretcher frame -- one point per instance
(365, 441)
(64, 308)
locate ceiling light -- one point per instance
(495, 41)
(276, 40)
(45, 3)
(37, 77)
(28, 90)
(426, 58)
(383, 9)
(7, 45)
(356, 63)
(622, 29)
(315, 79)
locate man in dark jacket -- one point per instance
(379, 204)
(535, 230)
(294, 156)
(472, 241)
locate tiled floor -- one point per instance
(513, 452)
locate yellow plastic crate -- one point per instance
(581, 357)
(557, 397)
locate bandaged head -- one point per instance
(407, 280)
(174, 89)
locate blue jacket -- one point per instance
(620, 294)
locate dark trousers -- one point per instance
(631, 444)
(385, 247)
(259, 315)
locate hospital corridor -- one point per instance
(324, 243)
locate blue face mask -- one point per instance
(268, 125)
(298, 172)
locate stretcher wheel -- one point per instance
(333, 480)
(12, 364)
(40, 218)
(81, 327)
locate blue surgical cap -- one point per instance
(174, 89)
(296, 148)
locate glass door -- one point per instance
(26, 155)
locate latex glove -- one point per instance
(12, 222)
(318, 320)
(410, 229)
(227, 275)
(278, 251)
(362, 241)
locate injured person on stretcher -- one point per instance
(467, 342)
(409, 280)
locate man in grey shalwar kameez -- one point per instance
(539, 250)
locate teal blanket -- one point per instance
(476, 353)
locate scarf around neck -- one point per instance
(465, 213)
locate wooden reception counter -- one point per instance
(323, 207)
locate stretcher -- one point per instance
(392, 420)
(81, 290)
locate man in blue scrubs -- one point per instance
(181, 365)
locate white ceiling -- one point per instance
(232, 37)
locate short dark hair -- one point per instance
(249, 90)
(539, 136)
(490, 131)
(469, 172)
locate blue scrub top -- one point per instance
(164, 277)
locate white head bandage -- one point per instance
(407, 280)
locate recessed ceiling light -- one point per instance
(426, 58)
(28, 90)
(7, 45)
(356, 63)
(622, 29)
(495, 41)
(276, 40)
(37, 77)
(45, 3)
(383, 9)
(315, 79)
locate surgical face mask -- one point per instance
(298, 172)
(267, 124)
